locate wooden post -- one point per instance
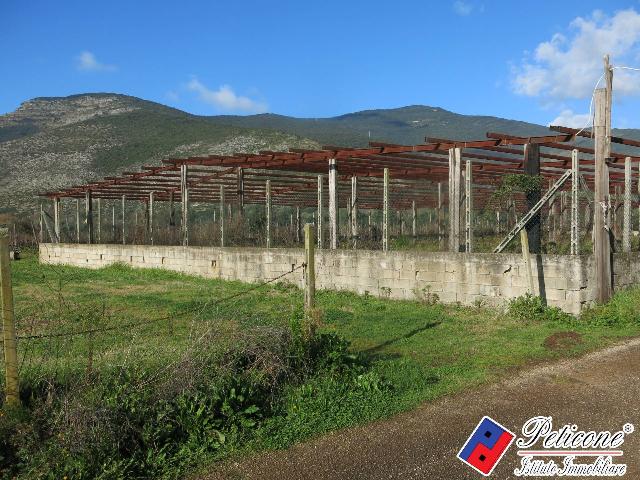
(151, 194)
(268, 211)
(99, 220)
(221, 215)
(440, 226)
(414, 224)
(298, 224)
(454, 199)
(56, 216)
(468, 208)
(333, 204)
(532, 167)
(575, 224)
(123, 221)
(240, 192)
(12, 384)
(319, 215)
(310, 270)
(602, 246)
(354, 210)
(184, 191)
(524, 240)
(626, 228)
(89, 215)
(385, 211)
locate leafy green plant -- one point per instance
(532, 308)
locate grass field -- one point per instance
(410, 351)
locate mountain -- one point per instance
(406, 125)
(49, 143)
(54, 142)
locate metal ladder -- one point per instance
(529, 215)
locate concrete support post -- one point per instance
(222, 243)
(626, 227)
(268, 211)
(113, 223)
(602, 245)
(240, 192)
(184, 199)
(12, 384)
(354, 210)
(468, 208)
(455, 155)
(150, 217)
(88, 201)
(439, 215)
(41, 231)
(56, 217)
(310, 269)
(414, 223)
(319, 215)
(124, 238)
(532, 167)
(385, 211)
(333, 204)
(77, 220)
(99, 229)
(575, 224)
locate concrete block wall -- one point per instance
(455, 277)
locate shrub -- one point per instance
(532, 308)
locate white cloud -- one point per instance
(88, 62)
(568, 118)
(570, 63)
(462, 8)
(225, 99)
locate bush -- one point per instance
(132, 423)
(532, 308)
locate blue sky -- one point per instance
(532, 61)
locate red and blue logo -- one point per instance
(486, 446)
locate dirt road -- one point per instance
(600, 391)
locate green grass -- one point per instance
(414, 351)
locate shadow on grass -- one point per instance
(373, 351)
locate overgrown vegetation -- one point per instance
(201, 382)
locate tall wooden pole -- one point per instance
(575, 224)
(626, 218)
(268, 211)
(310, 271)
(602, 246)
(319, 215)
(454, 199)
(333, 204)
(385, 211)
(12, 385)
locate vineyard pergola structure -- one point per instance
(381, 176)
